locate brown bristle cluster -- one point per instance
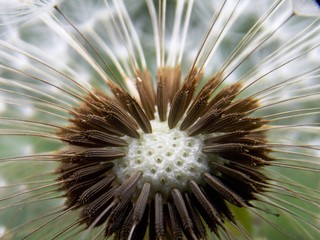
(234, 146)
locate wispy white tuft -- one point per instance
(153, 16)
(21, 11)
(2, 183)
(3, 106)
(309, 8)
(2, 231)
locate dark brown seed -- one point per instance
(113, 106)
(65, 170)
(175, 225)
(222, 123)
(224, 97)
(101, 155)
(120, 125)
(250, 171)
(139, 115)
(104, 138)
(79, 139)
(228, 137)
(159, 218)
(204, 202)
(117, 217)
(172, 79)
(224, 191)
(221, 104)
(251, 142)
(167, 87)
(207, 90)
(95, 208)
(238, 176)
(183, 212)
(127, 188)
(192, 80)
(200, 102)
(225, 123)
(97, 189)
(238, 188)
(179, 106)
(140, 231)
(147, 81)
(102, 105)
(146, 92)
(218, 149)
(92, 122)
(211, 222)
(88, 155)
(218, 203)
(73, 192)
(141, 203)
(131, 105)
(245, 158)
(152, 231)
(204, 123)
(245, 124)
(200, 230)
(162, 94)
(194, 113)
(243, 105)
(125, 231)
(111, 123)
(183, 97)
(87, 173)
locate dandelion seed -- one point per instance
(159, 119)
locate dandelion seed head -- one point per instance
(159, 119)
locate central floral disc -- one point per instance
(168, 158)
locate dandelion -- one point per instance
(159, 119)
